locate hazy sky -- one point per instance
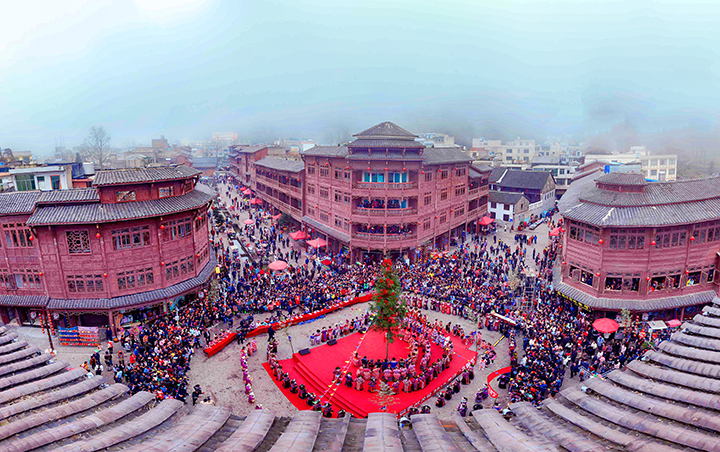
(324, 69)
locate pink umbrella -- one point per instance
(249, 222)
(326, 261)
(674, 323)
(555, 232)
(247, 192)
(278, 265)
(317, 243)
(298, 235)
(486, 220)
(256, 201)
(606, 325)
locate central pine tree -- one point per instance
(386, 305)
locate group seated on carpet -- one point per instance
(339, 329)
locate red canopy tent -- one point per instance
(247, 192)
(486, 220)
(674, 323)
(326, 261)
(298, 235)
(555, 232)
(606, 325)
(317, 243)
(256, 201)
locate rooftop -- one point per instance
(73, 195)
(623, 179)
(140, 175)
(20, 202)
(504, 197)
(386, 129)
(281, 164)
(517, 179)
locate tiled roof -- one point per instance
(34, 301)
(18, 202)
(327, 151)
(435, 156)
(386, 129)
(661, 215)
(343, 237)
(386, 143)
(138, 298)
(504, 197)
(523, 180)
(656, 193)
(138, 175)
(392, 155)
(616, 304)
(69, 196)
(251, 149)
(623, 179)
(483, 168)
(205, 162)
(101, 213)
(281, 164)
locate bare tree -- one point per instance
(97, 146)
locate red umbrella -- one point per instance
(326, 261)
(256, 201)
(247, 192)
(674, 323)
(249, 222)
(278, 265)
(298, 235)
(555, 232)
(606, 325)
(486, 220)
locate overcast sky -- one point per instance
(324, 69)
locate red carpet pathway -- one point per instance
(316, 369)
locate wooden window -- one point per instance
(324, 171)
(443, 174)
(17, 235)
(78, 242)
(164, 192)
(443, 194)
(427, 200)
(125, 195)
(428, 176)
(85, 283)
(176, 229)
(126, 238)
(459, 190)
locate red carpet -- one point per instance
(315, 372)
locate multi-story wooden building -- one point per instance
(643, 246)
(135, 243)
(383, 193)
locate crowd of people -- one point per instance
(479, 280)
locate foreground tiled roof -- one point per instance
(139, 175)
(281, 164)
(666, 401)
(385, 143)
(656, 193)
(35, 301)
(102, 213)
(386, 129)
(434, 156)
(19, 202)
(519, 180)
(623, 179)
(138, 298)
(327, 151)
(645, 216)
(69, 196)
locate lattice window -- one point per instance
(78, 242)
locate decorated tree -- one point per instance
(386, 307)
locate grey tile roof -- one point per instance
(34, 301)
(435, 156)
(19, 202)
(656, 193)
(251, 149)
(616, 304)
(73, 195)
(139, 298)
(623, 179)
(100, 213)
(205, 162)
(386, 143)
(138, 175)
(386, 129)
(662, 215)
(392, 155)
(281, 164)
(504, 197)
(516, 179)
(343, 237)
(327, 151)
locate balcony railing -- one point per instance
(385, 185)
(383, 237)
(382, 212)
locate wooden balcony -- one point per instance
(383, 237)
(383, 212)
(385, 186)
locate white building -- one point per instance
(507, 207)
(52, 177)
(656, 167)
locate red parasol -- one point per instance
(674, 323)
(247, 192)
(278, 265)
(326, 261)
(256, 201)
(606, 325)
(249, 222)
(555, 232)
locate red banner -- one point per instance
(494, 375)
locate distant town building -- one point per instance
(53, 177)
(654, 166)
(225, 137)
(437, 140)
(160, 143)
(537, 186)
(508, 207)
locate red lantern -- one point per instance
(386, 168)
(104, 275)
(368, 168)
(563, 229)
(653, 243)
(647, 278)
(564, 263)
(403, 169)
(597, 274)
(197, 255)
(97, 236)
(31, 238)
(347, 167)
(41, 273)
(601, 241)
(162, 226)
(162, 264)
(692, 239)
